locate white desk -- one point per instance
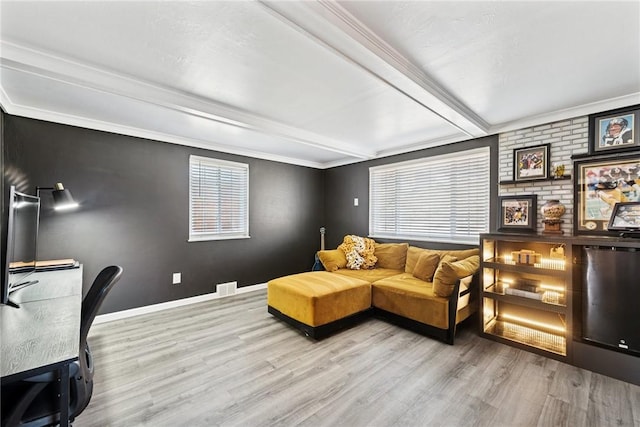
(43, 335)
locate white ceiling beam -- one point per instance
(331, 25)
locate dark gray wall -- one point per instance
(134, 209)
(134, 212)
(345, 183)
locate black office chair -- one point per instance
(33, 402)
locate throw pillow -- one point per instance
(462, 254)
(413, 254)
(332, 259)
(449, 272)
(391, 255)
(426, 266)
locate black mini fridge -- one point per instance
(611, 298)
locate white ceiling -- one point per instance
(316, 83)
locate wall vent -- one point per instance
(226, 289)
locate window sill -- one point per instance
(207, 238)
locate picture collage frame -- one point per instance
(599, 185)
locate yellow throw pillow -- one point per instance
(449, 272)
(426, 266)
(461, 254)
(413, 254)
(391, 255)
(332, 259)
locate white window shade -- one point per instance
(218, 199)
(440, 198)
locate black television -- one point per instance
(21, 243)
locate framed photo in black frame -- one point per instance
(614, 130)
(531, 163)
(599, 185)
(518, 213)
(625, 217)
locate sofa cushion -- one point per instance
(332, 259)
(448, 273)
(368, 275)
(414, 252)
(426, 266)
(412, 298)
(391, 255)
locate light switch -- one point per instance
(355, 201)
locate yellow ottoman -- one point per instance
(319, 302)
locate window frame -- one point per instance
(223, 165)
(454, 233)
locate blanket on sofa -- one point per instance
(359, 252)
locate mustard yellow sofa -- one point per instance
(429, 291)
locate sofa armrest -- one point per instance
(470, 283)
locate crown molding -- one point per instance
(48, 66)
(569, 113)
(160, 136)
(424, 145)
(72, 120)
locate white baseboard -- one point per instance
(124, 314)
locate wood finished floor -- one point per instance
(228, 362)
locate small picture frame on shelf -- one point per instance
(518, 213)
(625, 217)
(614, 131)
(601, 184)
(531, 163)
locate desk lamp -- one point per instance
(62, 198)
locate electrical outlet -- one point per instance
(177, 278)
(355, 201)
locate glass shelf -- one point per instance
(543, 299)
(539, 268)
(528, 336)
(546, 263)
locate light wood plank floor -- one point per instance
(228, 362)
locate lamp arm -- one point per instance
(42, 188)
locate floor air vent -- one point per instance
(225, 289)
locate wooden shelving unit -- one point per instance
(527, 305)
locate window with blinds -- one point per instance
(218, 199)
(441, 198)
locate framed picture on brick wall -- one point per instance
(531, 163)
(518, 213)
(599, 185)
(615, 130)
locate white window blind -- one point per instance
(440, 198)
(218, 199)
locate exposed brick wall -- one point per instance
(567, 137)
